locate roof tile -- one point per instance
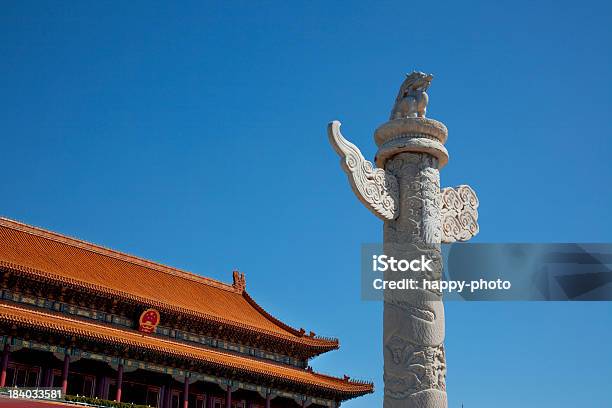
(24, 316)
(58, 257)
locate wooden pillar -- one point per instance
(268, 400)
(228, 397)
(119, 382)
(5, 359)
(102, 391)
(168, 396)
(209, 401)
(48, 377)
(99, 385)
(186, 393)
(106, 388)
(162, 396)
(65, 374)
(44, 376)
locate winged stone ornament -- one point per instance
(376, 188)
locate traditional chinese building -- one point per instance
(100, 323)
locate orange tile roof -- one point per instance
(25, 316)
(54, 256)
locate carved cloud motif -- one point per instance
(376, 188)
(459, 213)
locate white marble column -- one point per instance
(413, 332)
(404, 191)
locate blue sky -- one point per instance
(194, 134)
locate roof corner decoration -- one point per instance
(239, 281)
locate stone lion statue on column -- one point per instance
(411, 101)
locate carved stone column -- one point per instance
(404, 191)
(413, 332)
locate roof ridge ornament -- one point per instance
(239, 281)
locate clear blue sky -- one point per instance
(194, 135)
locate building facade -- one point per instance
(103, 324)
